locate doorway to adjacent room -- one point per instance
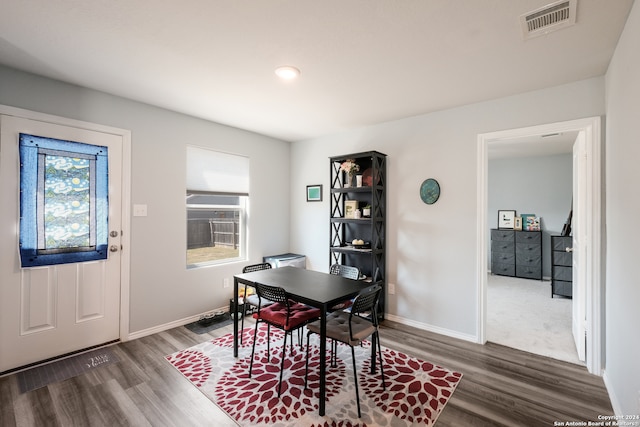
(587, 302)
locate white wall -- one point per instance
(162, 289)
(622, 371)
(539, 185)
(432, 250)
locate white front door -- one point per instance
(53, 310)
(579, 244)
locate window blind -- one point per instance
(217, 172)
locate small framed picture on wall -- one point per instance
(314, 193)
(506, 219)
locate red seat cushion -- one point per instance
(341, 306)
(276, 314)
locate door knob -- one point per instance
(114, 233)
(568, 249)
(113, 248)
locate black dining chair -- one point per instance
(352, 328)
(283, 314)
(349, 272)
(252, 299)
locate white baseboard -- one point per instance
(394, 318)
(171, 325)
(615, 403)
(431, 328)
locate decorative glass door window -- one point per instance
(63, 201)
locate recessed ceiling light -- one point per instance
(287, 72)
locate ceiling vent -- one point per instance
(549, 18)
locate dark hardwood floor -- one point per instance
(500, 386)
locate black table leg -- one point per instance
(234, 314)
(323, 359)
(373, 352)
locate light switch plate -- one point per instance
(139, 210)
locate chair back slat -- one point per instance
(334, 269)
(256, 267)
(366, 302)
(345, 271)
(271, 293)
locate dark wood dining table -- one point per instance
(314, 288)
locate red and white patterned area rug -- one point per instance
(416, 391)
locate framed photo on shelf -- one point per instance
(506, 219)
(314, 193)
(350, 207)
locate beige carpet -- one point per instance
(521, 314)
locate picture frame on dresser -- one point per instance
(517, 223)
(532, 224)
(526, 219)
(506, 219)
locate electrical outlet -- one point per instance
(226, 282)
(392, 288)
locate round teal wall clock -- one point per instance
(430, 191)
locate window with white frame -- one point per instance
(216, 200)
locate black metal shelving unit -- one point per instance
(371, 260)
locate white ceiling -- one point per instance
(362, 61)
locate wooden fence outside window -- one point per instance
(203, 233)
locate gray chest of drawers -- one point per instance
(516, 253)
(561, 266)
(503, 255)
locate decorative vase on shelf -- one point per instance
(349, 167)
(348, 180)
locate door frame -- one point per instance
(592, 129)
(578, 255)
(125, 256)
